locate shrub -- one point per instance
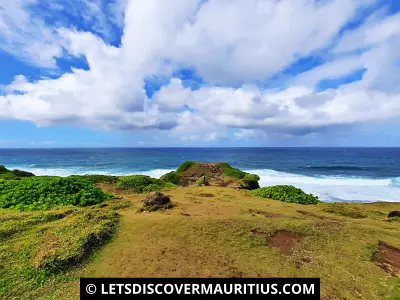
(169, 185)
(96, 178)
(41, 193)
(251, 177)
(151, 188)
(201, 180)
(3, 169)
(20, 173)
(184, 166)
(232, 172)
(286, 193)
(137, 182)
(171, 177)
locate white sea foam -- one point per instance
(327, 188)
(63, 172)
(331, 188)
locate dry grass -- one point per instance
(213, 237)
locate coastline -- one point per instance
(328, 188)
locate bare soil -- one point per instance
(388, 258)
(284, 240)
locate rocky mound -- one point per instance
(215, 174)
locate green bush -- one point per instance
(184, 166)
(151, 188)
(169, 185)
(201, 180)
(251, 177)
(232, 172)
(3, 169)
(142, 183)
(41, 193)
(96, 178)
(20, 173)
(171, 177)
(286, 193)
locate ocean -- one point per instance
(333, 174)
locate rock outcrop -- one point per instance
(156, 198)
(395, 213)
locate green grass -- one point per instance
(142, 183)
(184, 166)
(38, 247)
(96, 178)
(41, 193)
(201, 180)
(343, 209)
(172, 177)
(286, 193)
(232, 172)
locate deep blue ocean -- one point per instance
(334, 174)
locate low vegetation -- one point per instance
(286, 193)
(172, 177)
(213, 231)
(96, 178)
(184, 166)
(232, 172)
(38, 246)
(346, 210)
(142, 183)
(7, 174)
(42, 193)
(201, 181)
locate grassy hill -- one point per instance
(213, 231)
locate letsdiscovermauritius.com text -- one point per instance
(205, 289)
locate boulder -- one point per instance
(156, 198)
(395, 213)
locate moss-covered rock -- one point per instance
(172, 177)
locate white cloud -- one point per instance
(226, 42)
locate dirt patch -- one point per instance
(388, 258)
(265, 214)
(284, 240)
(207, 195)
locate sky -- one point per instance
(133, 73)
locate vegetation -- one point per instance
(249, 182)
(286, 193)
(343, 209)
(42, 193)
(222, 236)
(142, 183)
(96, 178)
(7, 174)
(172, 177)
(184, 166)
(201, 180)
(39, 246)
(232, 172)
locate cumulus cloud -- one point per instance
(232, 45)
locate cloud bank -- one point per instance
(238, 48)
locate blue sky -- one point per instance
(199, 73)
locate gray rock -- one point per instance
(395, 213)
(156, 198)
